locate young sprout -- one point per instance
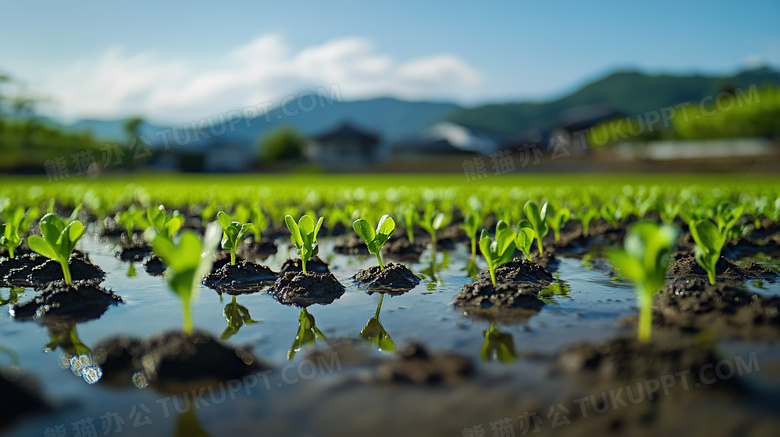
(408, 219)
(499, 250)
(709, 242)
(208, 211)
(126, 219)
(471, 226)
(669, 212)
(611, 214)
(585, 215)
(58, 240)
(9, 231)
(241, 213)
(233, 232)
(375, 239)
(537, 218)
(525, 237)
(432, 221)
(164, 224)
(304, 236)
(188, 261)
(259, 221)
(644, 260)
(556, 218)
(726, 217)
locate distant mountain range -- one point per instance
(628, 92)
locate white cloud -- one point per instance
(265, 69)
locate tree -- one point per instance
(284, 143)
(131, 126)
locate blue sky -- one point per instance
(176, 61)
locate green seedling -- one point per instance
(709, 242)
(208, 211)
(232, 233)
(375, 332)
(498, 346)
(612, 214)
(726, 216)
(644, 260)
(58, 240)
(525, 237)
(585, 215)
(669, 212)
(304, 236)
(471, 225)
(307, 333)
(375, 238)
(9, 231)
(556, 219)
(432, 221)
(164, 224)
(259, 220)
(236, 316)
(188, 261)
(497, 250)
(241, 213)
(29, 217)
(538, 220)
(408, 220)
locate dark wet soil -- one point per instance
(173, 361)
(725, 309)
(134, 252)
(447, 238)
(34, 270)
(15, 271)
(414, 364)
(315, 265)
(154, 266)
(59, 302)
(19, 251)
(20, 397)
(685, 266)
(302, 290)
(337, 230)
(353, 246)
(517, 287)
(222, 258)
(258, 249)
(547, 260)
(80, 270)
(394, 279)
(243, 277)
(625, 359)
(402, 249)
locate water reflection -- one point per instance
(375, 332)
(131, 273)
(13, 296)
(471, 269)
(557, 288)
(12, 355)
(236, 316)
(498, 346)
(434, 266)
(188, 425)
(307, 333)
(75, 354)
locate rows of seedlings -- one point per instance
(678, 257)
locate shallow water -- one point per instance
(590, 311)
